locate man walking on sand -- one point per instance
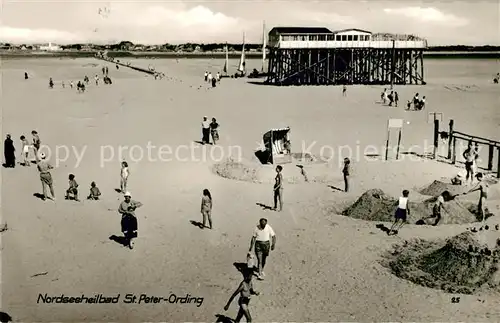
(469, 156)
(278, 188)
(205, 131)
(45, 177)
(264, 239)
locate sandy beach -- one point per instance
(326, 266)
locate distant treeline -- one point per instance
(463, 48)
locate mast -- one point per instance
(241, 67)
(263, 46)
(226, 63)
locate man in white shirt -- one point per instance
(264, 239)
(205, 130)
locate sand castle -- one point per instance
(459, 264)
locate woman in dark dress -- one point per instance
(214, 130)
(9, 152)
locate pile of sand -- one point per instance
(437, 187)
(458, 265)
(375, 205)
(235, 170)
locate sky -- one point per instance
(441, 22)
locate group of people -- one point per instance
(392, 97)
(418, 104)
(209, 129)
(10, 150)
(212, 79)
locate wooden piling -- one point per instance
(436, 137)
(454, 156)
(450, 138)
(498, 163)
(491, 152)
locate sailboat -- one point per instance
(262, 73)
(241, 65)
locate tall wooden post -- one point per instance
(498, 163)
(387, 143)
(491, 151)
(454, 157)
(399, 142)
(450, 138)
(436, 136)
(393, 63)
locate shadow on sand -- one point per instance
(223, 319)
(382, 227)
(335, 188)
(4, 317)
(119, 239)
(40, 196)
(265, 207)
(196, 224)
(117, 190)
(263, 156)
(201, 142)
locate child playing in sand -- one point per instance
(73, 188)
(345, 171)
(25, 150)
(402, 212)
(94, 192)
(439, 205)
(124, 176)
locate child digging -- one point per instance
(73, 188)
(402, 212)
(94, 192)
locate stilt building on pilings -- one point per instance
(318, 56)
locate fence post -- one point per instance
(498, 166)
(450, 138)
(454, 156)
(491, 152)
(436, 138)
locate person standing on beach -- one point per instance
(344, 90)
(246, 291)
(210, 77)
(206, 208)
(206, 76)
(217, 77)
(396, 98)
(51, 83)
(346, 173)
(45, 177)
(264, 240)
(214, 131)
(96, 80)
(129, 220)
(26, 75)
(25, 150)
(36, 143)
(482, 187)
(469, 156)
(383, 96)
(402, 212)
(71, 84)
(63, 85)
(103, 71)
(9, 152)
(124, 176)
(391, 98)
(278, 188)
(205, 130)
(214, 81)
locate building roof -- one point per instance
(301, 30)
(351, 29)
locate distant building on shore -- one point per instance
(50, 48)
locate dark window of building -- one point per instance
(338, 38)
(295, 37)
(330, 37)
(355, 37)
(321, 37)
(313, 37)
(349, 37)
(344, 37)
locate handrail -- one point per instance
(488, 141)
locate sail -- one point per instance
(226, 63)
(241, 67)
(263, 46)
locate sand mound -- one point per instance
(237, 171)
(437, 187)
(375, 205)
(458, 265)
